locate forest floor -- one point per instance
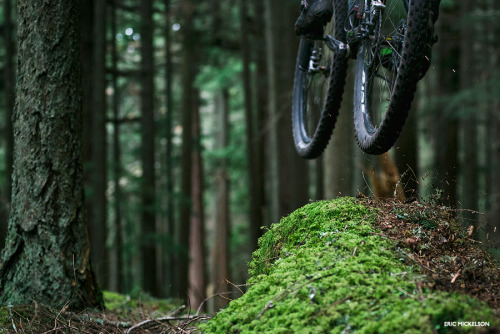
(425, 237)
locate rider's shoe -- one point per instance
(314, 16)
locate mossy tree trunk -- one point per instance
(46, 257)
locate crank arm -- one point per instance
(337, 47)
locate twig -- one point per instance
(384, 236)
(421, 264)
(152, 322)
(228, 282)
(406, 293)
(456, 276)
(64, 308)
(398, 183)
(298, 245)
(367, 184)
(208, 298)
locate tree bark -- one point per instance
(46, 257)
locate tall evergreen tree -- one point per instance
(46, 257)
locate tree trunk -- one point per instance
(197, 277)
(446, 125)
(262, 118)
(273, 175)
(9, 86)
(252, 136)
(98, 212)
(492, 229)
(116, 258)
(87, 60)
(406, 150)
(468, 122)
(148, 214)
(290, 169)
(46, 258)
(339, 161)
(220, 263)
(169, 170)
(187, 78)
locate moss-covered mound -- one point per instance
(328, 268)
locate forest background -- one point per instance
(187, 135)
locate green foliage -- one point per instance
(324, 269)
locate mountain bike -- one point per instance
(390, 42)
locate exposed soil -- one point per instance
(445, 252)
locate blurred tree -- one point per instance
(445, 124)
(9, 91)
(148, 214)
(406, 153)
(290, 170)
(116, 253)
(197, 268)
(98, 176)
(169, 168)
(468, 121)
(188, 74)
(46, 257)
(340, 163)
(221, 256)
(254, 156)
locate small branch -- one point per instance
(152, 322)
(456, 276)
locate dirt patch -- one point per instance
(445, 252)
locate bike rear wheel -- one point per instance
(318, 88)
(389, 63)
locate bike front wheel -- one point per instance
(390, 61)
(318, 87)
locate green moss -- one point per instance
(323, 269)
(126, 304)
